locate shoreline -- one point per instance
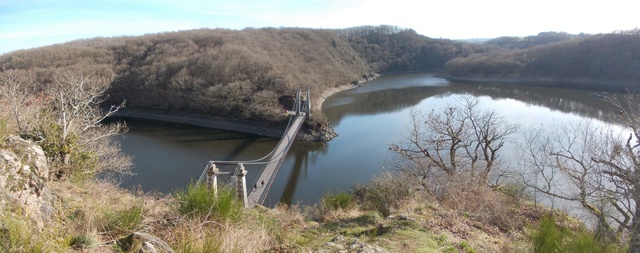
(329, 92)
(203, 120)
(238, 125)
(347, 86)
(603, 85)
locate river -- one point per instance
(367, 118)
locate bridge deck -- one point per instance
(258, 194)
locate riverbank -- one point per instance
(575, 83)
(203, 120)
(318, 134)
(328, 92)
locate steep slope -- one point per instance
(603, 60)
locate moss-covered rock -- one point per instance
(144, 243)
(23, 173)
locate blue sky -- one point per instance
(31, 23)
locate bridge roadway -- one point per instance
(259, 193)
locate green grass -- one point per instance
(466, 247)
(199, 201)
(210, 243)
(548, 236)
(17, 236)
(337, 201)
(124, 220)
(84, 241)
(551, 238)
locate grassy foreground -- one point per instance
(98, 216)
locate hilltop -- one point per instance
(248, 75)
(600, 61)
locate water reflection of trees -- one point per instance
(580, 102)
(383, 101)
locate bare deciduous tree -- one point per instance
(460, 139)
(75, 103)
(65, 117)
(76, 98)
(17, 90)
(594, 166)
(558, 161)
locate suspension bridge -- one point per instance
(271, 162)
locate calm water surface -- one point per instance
(368, 119)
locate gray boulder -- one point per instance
(23, 173)
(144, 243)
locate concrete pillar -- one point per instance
(241, 184)
(212, 178)
(308, 102)
(298, 103)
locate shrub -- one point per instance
(383, 193)
(337, 201)
(484, 203)
(516, 192)
(551, 238)
(200, 201)
(548, 237)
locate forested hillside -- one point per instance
(605, 58)
(248, 74)
(252, 73)
(531, 41)
(392, 49)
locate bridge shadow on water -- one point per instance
(240, 148)
(301, 162)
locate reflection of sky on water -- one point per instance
(514, 110)
(371, 117)
(399, 82)
(528, 116)
(342, 101)
(368, 119)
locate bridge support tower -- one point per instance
(241, 184)
(241, 181)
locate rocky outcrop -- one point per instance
(23, 173)
(144, 243)
(322, 133)
(349, 245)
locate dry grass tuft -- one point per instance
(92, 216)
(290, 216)
(202, 235)
(481, 203)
